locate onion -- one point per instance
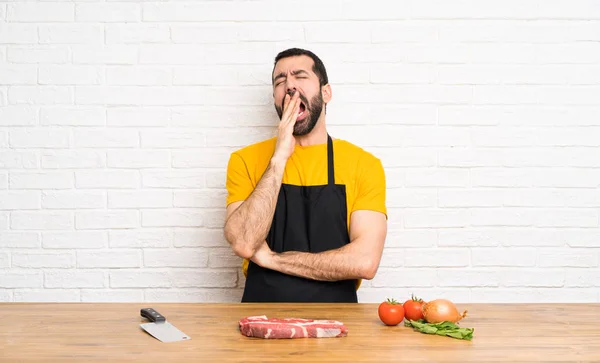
(440, 310)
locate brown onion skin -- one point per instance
(440, 310)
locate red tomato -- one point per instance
(391, 312)
(413, 308)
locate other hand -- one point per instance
(286, 141)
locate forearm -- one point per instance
(248, 226)
(339, 264)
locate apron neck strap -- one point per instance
(330, 171)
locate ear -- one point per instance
(326, 93)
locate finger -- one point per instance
(291, 109)
(294, 110)
(289, 104)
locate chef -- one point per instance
(305, 211)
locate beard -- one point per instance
(314, 108)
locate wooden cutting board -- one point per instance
(59, 332)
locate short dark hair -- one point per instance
(318, 66)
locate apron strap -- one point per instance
(330, 170)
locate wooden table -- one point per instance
(46, 332)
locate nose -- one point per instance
(290, 89)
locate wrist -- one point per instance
(277, 163)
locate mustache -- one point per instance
(302, 98)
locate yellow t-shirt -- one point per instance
(359, 170)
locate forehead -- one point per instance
(295, 63)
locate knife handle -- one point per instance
(152, 315)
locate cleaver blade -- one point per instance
(160, 328)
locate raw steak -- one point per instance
(273, 328)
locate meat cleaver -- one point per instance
(160, 328)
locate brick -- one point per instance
(503, 74)
(3, 180)
(18, 33)
(498, 177)
(199, 237)
(74, 239)
(18, 160)
(214, 218)
(236, 137)
(113, 219)
(137, 279)
(450, 277)
(111, 179)
(505, 95)
(220, 33)
(37, 54)
(111, 296)
(223, 258)
(344, 32)
(392, 258)
(40, 95)
(23, 279)
(582, 277)
(208, 116)
(203, 278)
(47, 296)
(180, 257)
(39, 138)
(73, 199)
(459, 198)
(142, 76)
(553, 217)
(467, 157)
(410, 198)
(248, 53)
(265, 32)
(71, 75)
(540, 295)
(137, 116)
(397, 237)
(73, 279)
(19, 240)
(475, 237)
(135, 33)
(576, 198)
(570, 53)
(376, 295)
(18, 75)
(409, 157)
(404, 277)
(437, 178)
(405, 74)
(41, 220)
(500, 257)
(43, 260)
(139, 159)
(436, 218)
(179, 179)
(438, 257)
(4, 260)
(83, 34)
(413, 94)
(114, 54)
(19, 115)
(199, 199)
(6, 296)
(566, 257)
(207, 76)
(202, 158)
(146, 238)
(15, 200)
(79, 159)
(109, 259)
(106, 138)
(582, 237)
(399, 32)
(491, 217)
(41, 180)
(172, 139)
(574, 95)
(40, 12)
(108, 12)
(532, 277)
(140, 199)
(173, 218)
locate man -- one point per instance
(309, 229)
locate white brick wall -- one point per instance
(117, 119)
